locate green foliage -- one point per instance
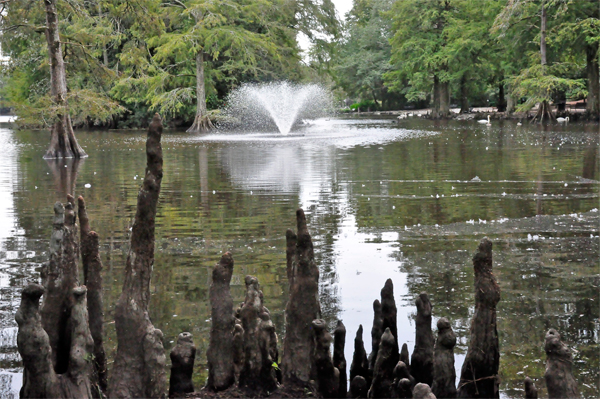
(364, 56)
(537, 84)
(364, 105)
(127, 59)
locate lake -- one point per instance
(407, 201)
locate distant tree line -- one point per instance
(126, 59)
(512, 54)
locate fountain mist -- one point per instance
(281, 103)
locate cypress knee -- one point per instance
(358, 387)
(381, 387)
(444, 375)
(182, 365)
(303, 305)
(327, 376)
(530, 389)
(339, 359)
(220, 353)
(405, 356)
(360, 363)
(479, 373)
(140, 364)
(559, 361)
(389, 315)
(376, 332)
(422, 391)
(422, 358)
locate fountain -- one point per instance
(281, 103)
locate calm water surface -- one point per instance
(408, 202)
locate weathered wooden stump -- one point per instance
(479, 374)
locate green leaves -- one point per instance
(538, 84)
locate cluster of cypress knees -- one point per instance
(60, 341)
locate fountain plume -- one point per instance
(277, 103)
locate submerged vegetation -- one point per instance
(125, 60)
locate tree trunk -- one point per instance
(543, 35)
(544, 112)
(560, 100)
(436, 97)
(501, 98)
(201, 123)
(464, 95)
(510, 102)
(139, 368)
(593, 102)
(63, 143)
(104, 51)
(444, 99)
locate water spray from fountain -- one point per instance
(279, 103)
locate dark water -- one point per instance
(408, 202)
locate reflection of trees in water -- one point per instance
(293, 169)
(590, 163)
(65, 172)
(545, 284)
(445, 274)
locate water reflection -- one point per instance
(382, 201)
(64, 173)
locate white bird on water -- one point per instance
(485, 121)
(562, 120)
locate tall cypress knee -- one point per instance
(422, 358)
(220, 349)
(444, 375)
(140, 364)
(559, 362)
(303, 305)
(479, 374)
